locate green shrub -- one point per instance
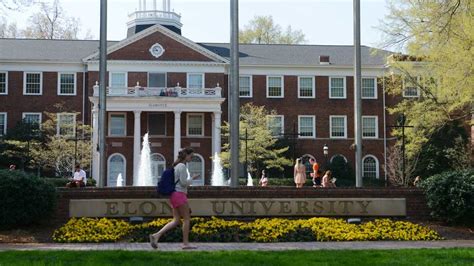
(24, 199)
(450, 196)
(61, 181)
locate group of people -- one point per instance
(300, 175)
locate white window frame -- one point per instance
(313, 117)
(118, 72)
(417, 89)
(59, 119)
(24, 83)
(282, 86)
(192, 73)
(161, 163)
(251, 85)
(377, 165)
(23, 115)
(201, 180)
(345, 126)
(345, 87)
(376, 126)
(375, 88)
(338, 155)
(109, 120)
(6, 82)
(282, 131)
(6, 123)
(313, 90)
(124, 174)
(148, 78)
(187, 124)
(59, 84)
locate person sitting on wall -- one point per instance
(315, 174)
(327, 180)
(263, 180)
(79, 179)
(12, 167)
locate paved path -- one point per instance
(250, 246)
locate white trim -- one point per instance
(59, 84)
(118, 72)
(187, 124)
(202, 174)
(282, 83)
(6, 83)
(282, 131)
(59, 119)
(313, 90)
(314, 126)
(203, 79)
(376, 126)
(377, 165)
(251, 85)
(148, 123)
(33, 113)
(6, 123)
(109, 127)
(345, 126)
(414, 85)
(345, 87)
(24, 83)
(148, 78)
(124, 174)
(335, 155)
(375, 88)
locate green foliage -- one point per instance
(450, 196)
(61, 182)
(342, 171)
(263, 30)
(25, 199)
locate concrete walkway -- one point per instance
(250, 246)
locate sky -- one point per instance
(322, 21)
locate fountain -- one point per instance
(217, 178)
(119, 180)
(144, 170)
(249, 180)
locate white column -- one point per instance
(216, 133)
(154, 4)
(144, 5)
(95, 141)
(136, 144)
(139, 5)
(168, 7)
(177, 133)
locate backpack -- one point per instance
(167, 185)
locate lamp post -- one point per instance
(326, 153)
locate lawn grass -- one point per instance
(432, 257)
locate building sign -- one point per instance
(242, 207)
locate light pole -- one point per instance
(326, 153)
(234, 104)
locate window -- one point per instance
(158, 165)
(245, 86)
(118, 80)
(67, 84)
(3, 83)
(116, 169)
(66, 124)
(275, 87)
(275, 124)
(338, 126)
(195, 125)
(306, 126)
(33, 83)
(337, 87)
(157, 124)
(117, 124)
(370, 167)
(370, 127)
(157, 80)
(196, 81)
(369, 88)
(3, 124)
(306, 87)
(32, 118)
(196, 167)
(410, 89)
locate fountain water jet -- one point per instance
(144, 169)
(217, 178)
(119, 180)
(249, 180)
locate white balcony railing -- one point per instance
(152, 14)
(177, 91)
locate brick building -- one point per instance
(176, 90)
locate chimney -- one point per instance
(324, 60)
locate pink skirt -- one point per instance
(178, 199)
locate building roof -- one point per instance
(299, 55)
(47, 50)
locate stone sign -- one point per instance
(242, 207)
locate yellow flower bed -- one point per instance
(259, 230)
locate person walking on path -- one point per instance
(300, 173)
(179, 200)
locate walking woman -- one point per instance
(179, 200)
(300, 173)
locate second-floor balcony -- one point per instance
(179, 92)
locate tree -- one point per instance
(262, 30)
(8, 30)
(51, 22)
(439, 37)
(14, 4)
(261, 149)
(397, 176)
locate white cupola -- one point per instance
(148, 15)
